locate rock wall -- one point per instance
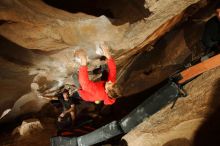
(192, 121)
(38, 40)
(35, 25)
(150, 40)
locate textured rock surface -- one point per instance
(197, 124)
(34, 135)
(41, 39)
(29, 127)
(147, 70)
(37, 41)
(35, 25)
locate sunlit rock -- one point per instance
(29, 127)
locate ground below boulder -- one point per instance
(193, 120)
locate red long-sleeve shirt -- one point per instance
(95, 91)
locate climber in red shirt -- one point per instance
(97, 91)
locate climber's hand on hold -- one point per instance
(62, 115)
(105, 49)
(59, 119)
(81, 56)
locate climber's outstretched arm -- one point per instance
(110, 62)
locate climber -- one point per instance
(67, 118)
(91, 91)
(211, 35)
(68, 102)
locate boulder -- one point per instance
(29, 127)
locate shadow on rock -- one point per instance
(209, 132)
(178, 142)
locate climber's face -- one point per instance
(218, 13)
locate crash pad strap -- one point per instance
(199, 68)
(150, 106)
